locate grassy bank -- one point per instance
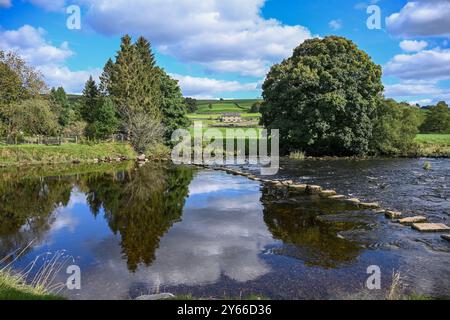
(66, 153)
(433, 145)
(13, 288)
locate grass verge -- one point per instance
(66, 153)
(12, 287)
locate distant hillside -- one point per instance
(222, 106)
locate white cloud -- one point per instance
(5, 3)
(431, 64)
(335, 24)
(421, 18)
(224, 36)
(207, 87)
(413, 45)
(421, 102)
(411, 89)
(31, 45)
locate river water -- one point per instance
(204, 233)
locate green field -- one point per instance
(210, 111)
(435, 139)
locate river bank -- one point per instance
(18, 155)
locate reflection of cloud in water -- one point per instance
(208, 243)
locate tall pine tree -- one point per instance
(91, 95)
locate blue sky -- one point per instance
(224, 48)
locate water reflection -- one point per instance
(161, 225)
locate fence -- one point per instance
(50, 141)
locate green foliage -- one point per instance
(105, 121)
(256, 107)
(172, 105)
(91, 96)
(33, 117)
(191, 104)
(437, 119)
(396, 128)
(324, 98)
(61, 106)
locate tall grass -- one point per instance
(37, 281)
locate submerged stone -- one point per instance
(430, 227)
(160, 296)
(446, 237)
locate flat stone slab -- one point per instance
(393, 214)
(370, 205)
(328, 193)
(446, 237)
(301, 187)
(379, 211)
(337, 197)
(412, 220)
(353, 200)
(161, 296)
(430, 227)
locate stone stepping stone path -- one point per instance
(417, 222)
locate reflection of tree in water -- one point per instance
(141, 206)
(306, 235)
(26, 208)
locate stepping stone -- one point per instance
(353, 200)
(446, 237)
(287, 182)
(430, 227)
(299, 187)
(379, 211)
(370, 205)
(328, 193)
(337, 197)
(393, 214)
(313, 189)
(412, 220)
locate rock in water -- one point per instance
(160, 296)
(446, 237)
(370, 205)
(430, 227)
(393, 214)
(412, 220)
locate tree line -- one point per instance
(134, 97)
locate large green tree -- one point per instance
(90, 100)
(324, 98)
(396, 128)
(437, 119)
(173, 105)
(105, 122)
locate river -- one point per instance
(204, 233)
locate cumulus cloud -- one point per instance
(31, 45)
(424, 65)
(207, 87)
(413, 45)
(224, 36)
(421, 18)
(5, 3)
(335, 24)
